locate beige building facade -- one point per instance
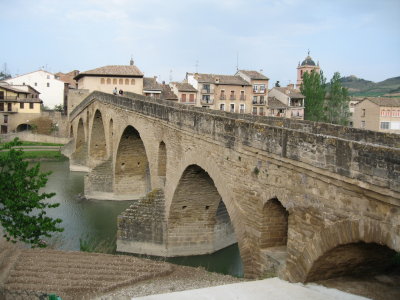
(106, 79)
(378, 114)
(18, 107)
(293, 102)
(186, 93)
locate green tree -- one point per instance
(313, 89)
(59, 107)
(337, 102)
(22, 205)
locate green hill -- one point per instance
(366, 88)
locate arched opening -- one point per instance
(199, 222)
(23, 127)
(98, 147)
(274, 224)
(132, 173)
(71, 132)
(274, 236)
(110, 135)
(87, 119)
(354, 259)
(162, 159)
(80, 136)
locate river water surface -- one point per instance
(97, 220)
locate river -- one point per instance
(92, 220)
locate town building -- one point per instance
(186, 93)
(68, 78)
(51, 89)
(291, 98)
(306, 66)
(379, 114)
(18, 107)
(127, 78)
(223, 92)
(151, 87)
(259, 91)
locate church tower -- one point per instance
(306, 66)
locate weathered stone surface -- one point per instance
(330, 185)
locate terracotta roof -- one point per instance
(184, 87)
(124, 70)
(254, 75)
(13, 89)
(388, 102)
(221, 79)
(68, 77)
(167, 93)
(275, 103)
(151, 84)
(292, 93)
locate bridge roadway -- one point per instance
(304, 200)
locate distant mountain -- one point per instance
(362, 87)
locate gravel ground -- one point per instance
(183, 278)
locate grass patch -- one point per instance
(40, 155)
(96, 245)
(27, 143)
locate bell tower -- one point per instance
(307, 65)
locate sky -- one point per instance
(168, 38)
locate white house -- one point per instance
(51, 89)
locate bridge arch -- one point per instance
(162, 159)
(80, 135)
(131, 169)
(351, 245)
(199, 215)
(98, 145)
(24, 127)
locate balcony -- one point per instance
(259, 92)
(232, 97)
(185, 101)
(207, 91)
(242, 97)
(207, 101)
(260, 102)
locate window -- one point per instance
(206, 98)
(132, 81)
(261, 111)
(5, 119)
(254, 110)
(9, 106)
(48, 84)
(261, 99)
(232, 95)
(1, 106)
(385, 125)
(232, 107)
(115, 81)
(222, 107)
(183, 98)
(191, 98)
(1, 95)
(362, 124)
(241, 108)
(255, 88)
(242, 97)
(102, 81)
(222, 97)
(108, 80)
(126, 81)
(254, 99)
(30, 105)
(363, 112)
(262, 88)
(206, 88)
(21, 105)
(120, 81)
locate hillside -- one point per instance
(362, 87)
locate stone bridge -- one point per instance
(307, 200)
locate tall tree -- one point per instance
(337, 102)
(313, 89)
(22, 205)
